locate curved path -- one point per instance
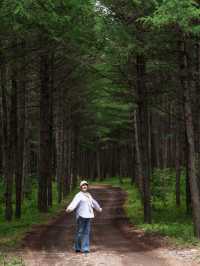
(114, 242)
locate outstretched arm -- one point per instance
(74, 203)
(96, 205)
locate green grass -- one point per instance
(168, 220)
(9, 260)
(12, 232)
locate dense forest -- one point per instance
(94, 89)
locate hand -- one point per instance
(100, 210)
(67, 210)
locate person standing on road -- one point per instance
(83, 203)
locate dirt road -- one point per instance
(114, 242)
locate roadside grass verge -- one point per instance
(169, 221)
(9, 260)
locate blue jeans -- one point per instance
(82, 238)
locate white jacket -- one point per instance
(84, 203)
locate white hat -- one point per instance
(83, 182)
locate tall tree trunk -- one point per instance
(59, 142)
(178, 168)
(155, 141)
(20, 142)
(139, 178)
(51, 90)
(187, 182)
(193, 175)
(27, 182)
(66, 188)
(144, 134)
(7, 144)
(75, 156)
(98, 161)
(197, 90)
(1, 140)
(45, 135)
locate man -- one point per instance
(83, 203)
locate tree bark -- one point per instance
(7, 143)
(144, 134)
(192, 159)
(178, 169)
(139, 177)
(20, 142)
(45, 135)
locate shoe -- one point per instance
(77, 250)
(86, 252)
